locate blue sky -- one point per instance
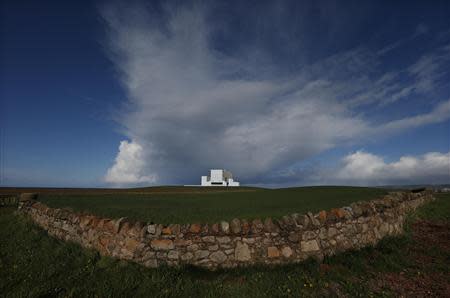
(98, 94)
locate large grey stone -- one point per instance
(193, 247)
(213, 247)
(309, 246)
(173, 254)
(152, 263)
(187, 256)
(218, 257)
(201, 254)
(242, 252)
(224, 239)
(225, 227)
(209, 239)
(286, 251)
(332, 232)
(308, 235)
(235, 226)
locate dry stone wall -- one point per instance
(239, 242)
(6, 201)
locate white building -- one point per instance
(219, 177)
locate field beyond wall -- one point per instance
(167, 205)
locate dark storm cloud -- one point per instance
(192, 106)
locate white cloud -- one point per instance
(440, 113)
(191, 108)
(363, 168)
(431, 68)
(129, 166)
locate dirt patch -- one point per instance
(436, 234)
(424, 280)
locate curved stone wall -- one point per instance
(290, 239)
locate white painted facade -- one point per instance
(219, 177)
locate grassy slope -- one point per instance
(33, 264)
(211, 206)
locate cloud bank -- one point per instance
(191, 107)
(363, 168)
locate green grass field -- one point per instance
(35, 265)
(210, 204)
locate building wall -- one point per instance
(217, 176)
(239, 242)
(231, 182)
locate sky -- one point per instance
(281, 93)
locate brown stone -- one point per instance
(162, 244)
(166, 231)
(338, 212)
(131, 244)
(215, 228)
(273, 252)
(104, 240)
(85, 220)
(101, 223)
(195, 228)
(245, 226)
(125, 228)
(175, 228)
(322, 216)
(109, 226)
(94, 221)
